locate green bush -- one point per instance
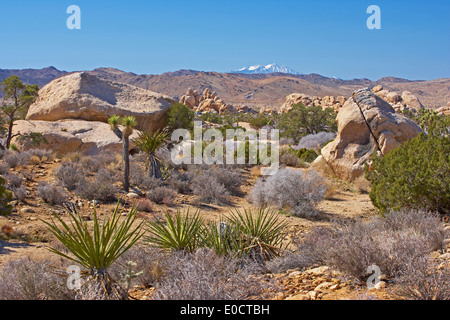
(415, 175)
(5, 197)
(180, 116)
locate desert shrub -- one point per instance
(227, 176)
(27, 279)
(301, 121)
(180, 117)
(144, 205)
(12, 159)
(180, 181)
(5, 197)
(414, 175)
(100, 188)
(423, 279)
(51, 194)
(152, 262)
(292, 190)
(41, 153)
(289, 158)
(13, 180)
(391, 244)
(4, 168)
(71, 175)
(203, 275)
(306, 155)
(315, 141)
(209, 190)
(20, 193)
(161, 195)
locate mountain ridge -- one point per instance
(254, 90)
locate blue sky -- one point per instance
(328, 37)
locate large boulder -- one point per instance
(67, 136)
(85, 97)
(366, 123)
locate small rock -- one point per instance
(312, 295)
(317, 271)
(132, 195)
(334, 287)
(295, 273)
(299, 297)
(445, 256)
(323, 286)
(26, 210)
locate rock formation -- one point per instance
(85, 97)
(366, 123)
(445, 110)
(206, 102)
(71, 112)
(67, 136)
(400, 102)
(325, 102)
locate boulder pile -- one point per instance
(209, 102)
(366, 123)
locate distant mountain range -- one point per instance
(270, 68)
(251, 89)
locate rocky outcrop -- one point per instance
(400, 102)
(206, 102)
(445, 110)
(85, 97)
(366, 123)
(325, 102)
(67, 136)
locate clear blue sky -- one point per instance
(328, 37)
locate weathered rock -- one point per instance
(377, 88)
(366, 124)
(67, 136)
(411, 100)
(85, 97)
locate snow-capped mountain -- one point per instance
(270, 68)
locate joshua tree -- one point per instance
(22, 96)
(149, 143)
(129, 123)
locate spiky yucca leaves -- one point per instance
(261, 233)
(96, 250)
(129, 123)
(149, 142)
(181, 233)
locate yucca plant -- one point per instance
(179, 233)
(149, 142)
(261, 234)
(223, 238)
(98, 249)
(129, 124)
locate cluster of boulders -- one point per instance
(206, 102)
(445, 110)
(366, 123)
(308, 101)
(71, 113)
(400, 102)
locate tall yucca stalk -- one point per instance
(98, 249)
(129, 123)
(149, 142)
